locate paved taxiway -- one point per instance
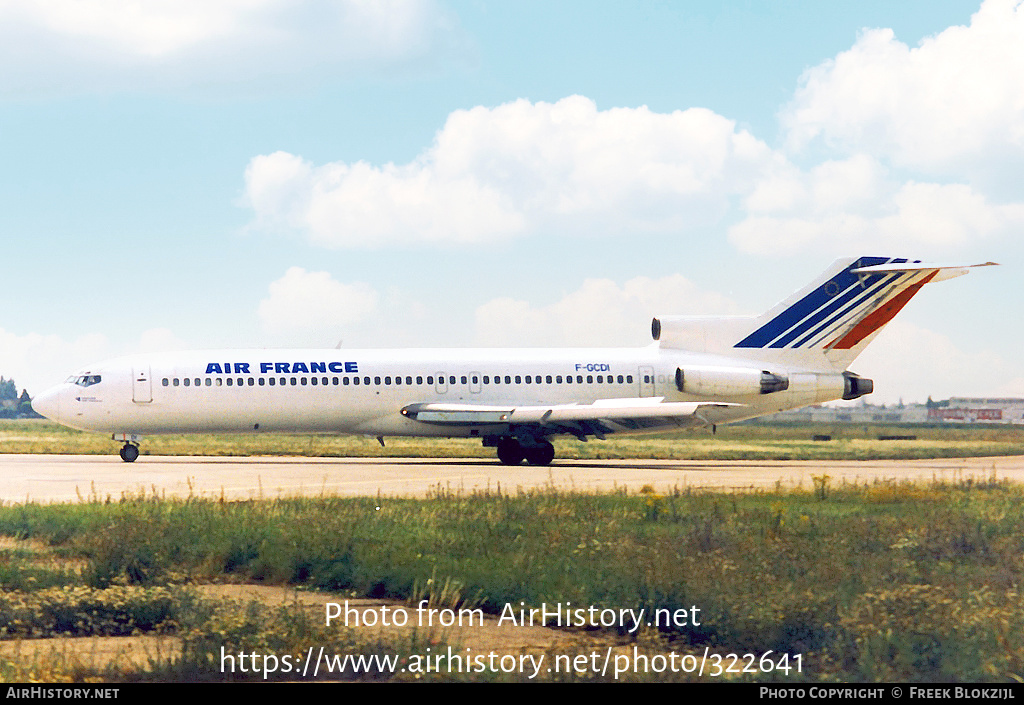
(62, 478)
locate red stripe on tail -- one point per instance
(878, 318)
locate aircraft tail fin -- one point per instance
(825, 325)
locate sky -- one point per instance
(181, 174)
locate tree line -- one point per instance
(13, 405)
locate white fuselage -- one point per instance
(364, 391)
(702, 371)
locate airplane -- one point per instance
(700, 371)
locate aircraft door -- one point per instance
(646, 378)
(442, 383)
(474, 382)
(142, 385)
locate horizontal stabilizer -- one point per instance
(939, 272)
(917, 267)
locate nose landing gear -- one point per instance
(130, 450)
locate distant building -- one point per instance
(979, 410)
(963, 410)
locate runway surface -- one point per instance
(63, 478)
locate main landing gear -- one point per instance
(512, 452)
(129, 452)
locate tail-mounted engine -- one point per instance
(855, 386)
(729, 381)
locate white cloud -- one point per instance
(496, 173)
(955, 102)
(79, 45)
(854, 205)
(301, 302)
(569, 169)
(912, 362)
(599, 313)
(36, 362)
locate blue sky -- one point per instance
(269, 173)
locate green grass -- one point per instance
(872, 582)
(734, 442)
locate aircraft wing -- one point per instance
(596, 419)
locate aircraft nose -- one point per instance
(48, 403)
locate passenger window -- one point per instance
(463, 379)
(620, 379)
(209, 382)
(519, 380)
(220, 382)
(590, 379)
(355, 380)
(175, 381)
(600, 379)
(387, 380)
(294, 381)
(528, 379)
(334, 380)
(272, 381)
(548, 379)
(629, 379)
(430, 379)
(451, 380)
(304, 381)
(187, 381)
(230, 382)
(508, 379)
(579, 379)
(376, 380)
(558, 379)
(366, 381)
(419, 379)
(166, 381)
(313, 381)
(408, 380)
(263, 381)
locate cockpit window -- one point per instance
(87, 380)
